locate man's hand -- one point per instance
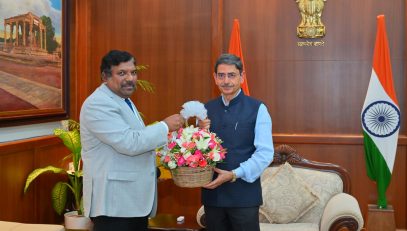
(204, 124)
(174, 122)
(223, 176)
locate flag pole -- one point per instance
(380, 119)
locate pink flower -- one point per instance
(179, 134)
(192, 161)
(198, 154)
(222, 154)
(203, 163)
(189, 145)
(167, 159)
(181, 161)
(211, 155)
(172, 145)
(212, 144)
(196, 135)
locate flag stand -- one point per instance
(380, 219)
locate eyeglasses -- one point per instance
(231, 75)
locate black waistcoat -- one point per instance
(234, 124)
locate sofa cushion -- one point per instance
(289, 227)
(286, 197)
(326, 185)
(263, 217)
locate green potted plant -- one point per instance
(69, 134)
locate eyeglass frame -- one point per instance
(230, 75)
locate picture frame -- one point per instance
(34, 62)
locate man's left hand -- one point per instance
(223, 176)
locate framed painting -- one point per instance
(34, 65)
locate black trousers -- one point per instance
(232, 219)
(104, 223)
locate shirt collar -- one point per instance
(227, 103)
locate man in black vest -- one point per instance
(233, 198)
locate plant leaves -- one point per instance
(71, 139)
(34, 174)
(141, 67)
(59, 197)
(146, 85)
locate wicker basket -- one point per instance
(188, 177)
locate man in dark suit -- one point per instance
(233, 198)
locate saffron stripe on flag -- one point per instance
(235, 47)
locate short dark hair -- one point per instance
(114, 58)
(229, 59)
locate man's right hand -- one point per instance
(204, 124)
(174, 122)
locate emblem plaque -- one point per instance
(311, 25)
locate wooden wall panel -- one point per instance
(178, 201)
(44, 156)
(17, 160)
(14, 168)
(321, 88)
(172, 37)
(81, 81)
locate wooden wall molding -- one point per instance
(28, 144)
(335, 139)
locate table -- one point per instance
(169, 222)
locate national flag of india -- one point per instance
(380, 117)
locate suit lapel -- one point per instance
(128, 114)
(137, 114)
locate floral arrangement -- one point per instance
(191, 146)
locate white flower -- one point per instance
(179, 143)
(202, 144)
(194, 108)
(216, 156)
(172, 164)
(188, 132)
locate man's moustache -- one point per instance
(129, 85)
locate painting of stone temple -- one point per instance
(30, 55)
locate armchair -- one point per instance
(304, 195)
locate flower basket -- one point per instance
(192, 152)
(188, 177)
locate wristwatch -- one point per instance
(234, 177)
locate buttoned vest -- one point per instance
(234, 124)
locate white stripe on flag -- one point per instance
(386, 145)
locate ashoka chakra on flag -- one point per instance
(381, 118)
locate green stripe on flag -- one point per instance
(377, 169)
